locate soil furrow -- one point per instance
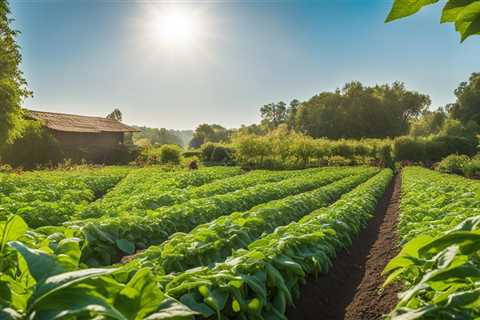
(351, 288)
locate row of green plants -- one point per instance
(214, 241)
(154, 187)
(281, 149)
(44, 278)
(111, 238)
(53, 197)
(439, 265)
(261, 281)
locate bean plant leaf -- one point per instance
(13, 229)
(126, 246)
(171, 309)
(453, 8)
(61, 281)
(75, 301)
(405, 8)
(40, 264)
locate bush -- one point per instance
(35, 147)
(192, 153)
(217, 153)
(453, 164)
(338, 161)
(170, 153)
(409, 149)
(472, 168)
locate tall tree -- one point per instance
(115, 115)
(274, 114)
(13, 87)
(467, 106)
(209, 133)
(357, 111)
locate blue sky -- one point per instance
(87, 57)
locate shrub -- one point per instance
(472, 168)
(207, 151)
(410, 149)
(453, 164)
(338, 161)
(170, 153)
(35, 147)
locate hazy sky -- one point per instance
(87, 57)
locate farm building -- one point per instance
(95, 139)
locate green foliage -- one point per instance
(428, 124)
(115, 115)
(464, 14)
(358, 112)
(48, 198)
(261, 281)
(154, 227)
(213, 242)
(406, 148)
(453, 164)
(155, 187)
(13, 87)
(35, 146)
(43, 279)
(209, 133)
(216, 153)
(170, 153)
(283, 149)
(153, 136)
(439, 265)
(465, 108)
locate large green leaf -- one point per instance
(405, 8)
(14, 228)
(171, 309)
(467, 22)
(453, 8)
(40, 264)
(75, 301)
(61, 281)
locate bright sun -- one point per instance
(177, 27)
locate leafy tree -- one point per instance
(429, 123)
(273, 114)
(292, 113)
(357, 111)
(154, 136)
(209, 133)
(115, 115)
(467, 106)
(464, 14)
(13, 87)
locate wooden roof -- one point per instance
(75, 123)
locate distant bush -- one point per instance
(35, 147)
(192, 153)
(170, 154)
(472, 168)
(216, 153)
(338, 161)
(453, 164)
(408, 148)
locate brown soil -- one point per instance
(351, 288)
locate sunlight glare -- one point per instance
(177, 27)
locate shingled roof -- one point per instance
(75, 123)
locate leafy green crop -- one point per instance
(153, 187)
(214, 241)
(52, 197)
(440, 265)
(108, 239)
(260, 282)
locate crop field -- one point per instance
(222, 243)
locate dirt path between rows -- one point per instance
(350, 290)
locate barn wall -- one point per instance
(104, 139)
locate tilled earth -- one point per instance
(350, 290)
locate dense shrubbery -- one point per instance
(36, 146)
(216, 153)
(165, 154)
(282, 149)
(460, 164)
(432, 149)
